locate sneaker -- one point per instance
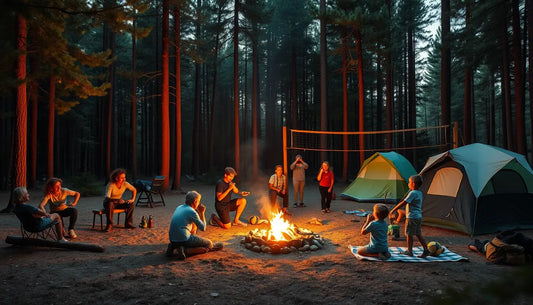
(181, 253)
(407, 253)
(295, 205)
(72, 233)
(384, 255)
(170, 250)
(424, 254)
(302, 205)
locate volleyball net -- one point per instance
(436, 137)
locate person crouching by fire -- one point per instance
(224, 204)
(186, 220)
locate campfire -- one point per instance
(282, 237)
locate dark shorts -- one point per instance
(44, 223)
(194, 242)
(223, 210)
(413, 227)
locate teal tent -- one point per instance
(478, 189)
(382, 178)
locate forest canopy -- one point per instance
(188, 87)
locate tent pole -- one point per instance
(475, 218)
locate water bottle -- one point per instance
(143, 222)
(150, 222)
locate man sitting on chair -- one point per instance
(31, 217)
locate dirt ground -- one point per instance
(134, 269)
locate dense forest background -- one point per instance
(184, 88)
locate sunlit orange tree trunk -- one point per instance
(22, 107)
(236, 84)
(165, 120)
(51, 126)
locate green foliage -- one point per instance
(87, 185)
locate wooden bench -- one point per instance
(102, 212)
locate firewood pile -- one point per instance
(295, 239)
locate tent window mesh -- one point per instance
(508, 182)
(446, 182)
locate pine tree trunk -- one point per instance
(411, 89)
(51, 127)
(255, 107)
(529, 12)
(177, 40)
(236, 85)
(445, 67)
(518, 82)
(133, 104)
(344, 105)
(323, 78)
(389, 81)
(22, 106)
(361, 95)
(165, 117)
(506, 90)
(34, 106)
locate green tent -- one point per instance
(382, 178)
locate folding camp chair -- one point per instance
(156, 188)
(48, 233)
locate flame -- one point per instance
(280, 228)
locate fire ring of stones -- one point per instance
(295, 239)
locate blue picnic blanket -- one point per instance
(397, 256)
(358, 213)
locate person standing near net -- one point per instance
(325, 184)
(298, 168)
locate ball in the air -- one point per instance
(253, 219)
(435, 248)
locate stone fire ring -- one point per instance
(305, 241)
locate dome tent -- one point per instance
(478, 189)
(383, 177)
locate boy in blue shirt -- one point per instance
(377, 227)
(413, 220)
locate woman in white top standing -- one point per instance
(298, 168)
(114, 190)
(57, 195)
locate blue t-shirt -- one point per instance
(378, 236)
(181, 223)
(414, 204)
(25, 213)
